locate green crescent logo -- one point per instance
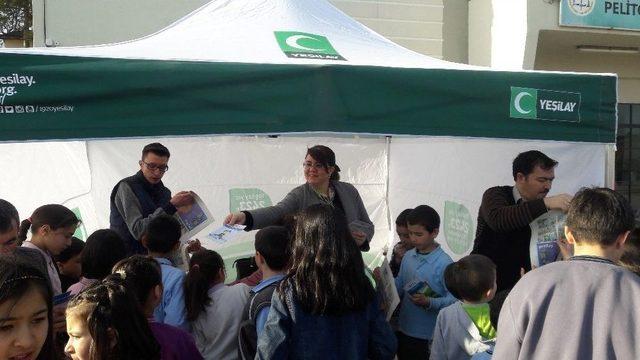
(248, 199)
(523, 103)
(294, 41)
(302, 45)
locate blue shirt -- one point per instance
(417, 321)
(261, 318)
(171, 309)
(486, 355)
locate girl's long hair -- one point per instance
(55, 215)
(17, 277)
(327, 274)
(111, 310)
(204, 270)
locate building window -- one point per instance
(628, 153)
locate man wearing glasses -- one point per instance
(137, 199)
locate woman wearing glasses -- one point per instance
(323, 185)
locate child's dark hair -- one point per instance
(70, 251)
(401, 220)
(111, 311)
(272, 242)
(204, 270)
(17, 277)
(495, 305)
(8, 216)
(325, 156)
(289, 223)
(599, 216)
(103, 249)
(162, 234)
(141, 273)
(155, 148)
(471, 277)
(54, 215)
(327, 273)
(426, 216)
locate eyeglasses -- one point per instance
(154, 167)
(309, 165)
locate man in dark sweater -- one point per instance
(503, 232)
(136, 200)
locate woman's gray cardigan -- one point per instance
(304, 196)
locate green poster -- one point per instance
(248, 199)
(81, 232)
(458, 227)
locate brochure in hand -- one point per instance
(193, 218)
(360, 226)
(225, 234)
(546, 230)
(420, 287)
(389, 293)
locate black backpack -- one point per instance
(245, 267)
(247, 334)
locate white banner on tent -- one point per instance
(239, 173)
(234, 173)
(39, 173)
(451, 174)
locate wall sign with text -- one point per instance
(620, 14)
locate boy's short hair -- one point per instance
(141, 273)
(599, 216)
(401, 220)
(272, 242)
(155, 148)
(426, 216)
(70, 251)
(471, 277)
(527, 161)
(495, 305)
(8, 216)
(162, 234)
(103, 249)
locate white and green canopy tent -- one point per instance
(407, 129)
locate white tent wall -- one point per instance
(266, 168)
(41, 173)
(231, 172)
(451, 174)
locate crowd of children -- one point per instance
(314, 299)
